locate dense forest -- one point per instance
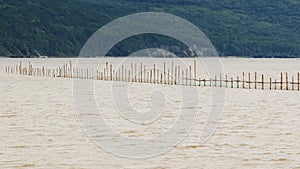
(236, 27)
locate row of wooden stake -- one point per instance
(172, 76)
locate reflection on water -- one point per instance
(40, 129)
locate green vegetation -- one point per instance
(237, 28)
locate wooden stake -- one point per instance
(195, 72)
(20, 68)
(119, 75)
(106, 68)
(115, 75)
(226, 81)
(129, 80)
(141, 73)
(87, 73)
(270, 83)
(220, 80)
(179, 74)
(262, 80)
(168, 75)
(132, 72)
(255, 80)
(111, 72)
(125, 74)
(215, 81)
(249, 80)
(281, 81)
(157, 76)
(104, 73)
(190, 76)
(71, 75)
(287, 81)
(172, 75)
(298, 81)
(186, 77)
(175, 81)
(151, 81)
(243, 80)
(29, 69)
(125, 78)
(165, 78)
(154, 72)
(182, 82)
(293, 83)
(148, 77)
(122, 73)
(144, 73)
(135, 73)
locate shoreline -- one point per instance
(74, 57)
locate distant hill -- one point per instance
(237, 28)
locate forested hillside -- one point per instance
(236, 27)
